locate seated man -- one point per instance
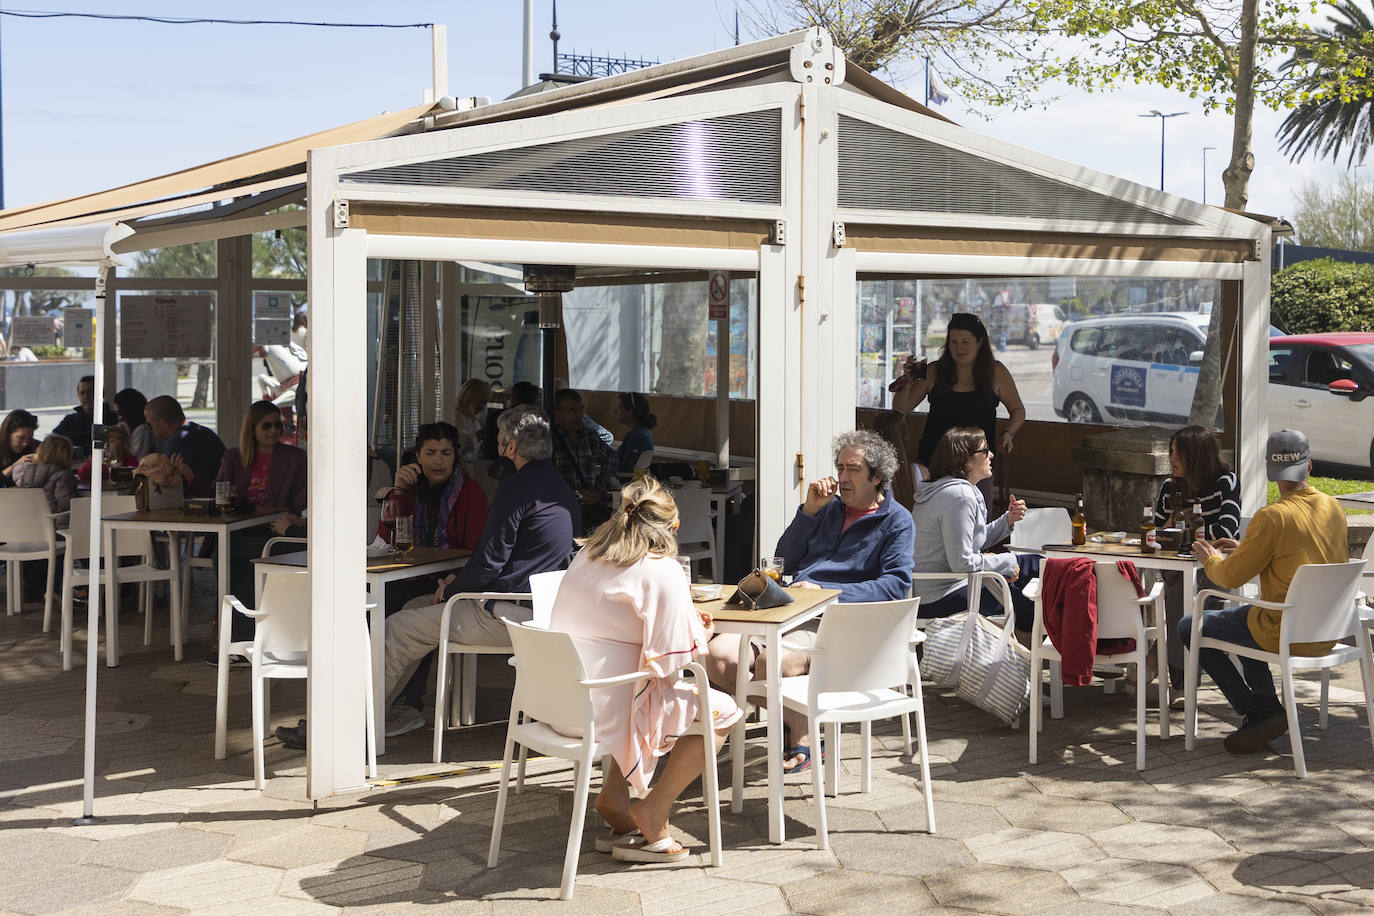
(196, 451)
(851, 535)
(1304, 526)
(583, 458)
(529, 529)
(76, 425)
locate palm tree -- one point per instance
(1325, 124)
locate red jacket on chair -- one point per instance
(1068, 594)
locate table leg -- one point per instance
(776, 831)
(222, 669)
(174, 593)
(738, 733)
(111, 597)
(719, 503)
(378, 633)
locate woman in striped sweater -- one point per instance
(1198, 474)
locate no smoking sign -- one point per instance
(718, 286)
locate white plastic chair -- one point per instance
(862, 666)
(975, 582)
(1041, 527)
(1322, 609)
(543, 590)
(552, 691)
(136, 544)
(696, 538)
(28, 532)
(644, 460)
(1119, 616)
(280, 649)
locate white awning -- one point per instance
(68, 246)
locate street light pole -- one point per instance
(1155, 113)
(1205, 150)
(1355, 206)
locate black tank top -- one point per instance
(950, 409)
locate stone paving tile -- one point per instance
(1046, 849)
(157, 850)
(1161, 843)
(208, 884)
(912, 854)
(854, 891)
(305, 845)
(56, 888)
(1154, 884)
(953, 820)
(124, 908)
(358, 880)
(265, 906)
(1067, 815)
(1001, 889)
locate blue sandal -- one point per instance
(800, 750)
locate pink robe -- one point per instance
(637, 618)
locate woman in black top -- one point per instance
(16, 441)
(964, 386)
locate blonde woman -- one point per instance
(627, 605)
(469, 420)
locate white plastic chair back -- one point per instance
(645, 459)
(1245, 525)
(694, 506)
(1041, 527)
(1325, 598)
(548, 676)
(1118, 614)
(21, 515)
(285, 630)
(543, 591)
(867, 646)
(128, 543)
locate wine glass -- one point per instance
(390, 513)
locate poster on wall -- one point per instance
(32, 331)
(502, 340)
(269, 332)
(162, 327)
(77, 328)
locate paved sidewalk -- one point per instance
(1082, 832)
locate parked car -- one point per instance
(1129, 369)
(1320, 384)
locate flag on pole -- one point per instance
(935, 92)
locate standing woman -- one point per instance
(16, 441)
(964, 387)
(1198, 474)
(469, 418)
(129, 404)
(632, 410)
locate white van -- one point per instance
(1129, 369)
(1044, 324)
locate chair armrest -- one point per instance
(1235, 600)
(234, 604)
(1032, 589)
(808, 651)
(271, 542)
(491, 596)
(917, 639)
(937, 576)
(597, 683)
(1154, 594)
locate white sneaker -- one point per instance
(401, 719)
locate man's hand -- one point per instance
(179, 465)
(805, 584)
(1226, 545)
(1202, 550)
(280, 525)
(819, 494)
(443, 584)
(406, 475)
(1016, 509)
(708, 623)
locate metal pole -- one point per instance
(527, 68)
(1155, 113)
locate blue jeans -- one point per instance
(1242, 688)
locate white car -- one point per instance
(1320, 384)
(1129, 370)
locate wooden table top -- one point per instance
(177, 515)
(1132, 552)
(803, 600)
(420, 556)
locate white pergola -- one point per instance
(773, 159)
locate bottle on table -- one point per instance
(1149, 540)
(1080, 524)
(1197, 528)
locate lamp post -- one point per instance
(1155, 113)
(1355, 206)
(1205, 151)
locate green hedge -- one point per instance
(1313, 297)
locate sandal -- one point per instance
(627, 850)
(800, 750)
(609, 841)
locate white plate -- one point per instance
(706, 592)
(1131, 542)
(374, 552)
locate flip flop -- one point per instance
(658, 851)
(800, 750)
(607, 842)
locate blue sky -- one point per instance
(94, 104)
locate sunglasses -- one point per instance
(983, 451)
(271, 424)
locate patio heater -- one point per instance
(549, 282)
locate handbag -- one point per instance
(981, 661)
(758, 591)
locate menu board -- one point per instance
(272, 332)
(31, 331)
(77, 327)
(161, 327)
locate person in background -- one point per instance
(195, 451)
(953, 535)
(76, 426)
(300, 329)
(261, 471)
(16, 441)
(129, 406)
(964, 387)
(117, 450)
(626, 604)
(472, 403)
(51, 469)
(1198, 474)
(526, 393)
(891, 425)
(632, 410)
(585, 461)
(1304, 526)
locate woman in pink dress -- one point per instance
(627, 604)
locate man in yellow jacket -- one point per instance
(1304, 526)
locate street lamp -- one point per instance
(1205, 151)
(1155, 113)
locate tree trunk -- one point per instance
(202, 395)
(1236, 180)
(682, 358)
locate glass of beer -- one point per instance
(772, 567)
(405, 534)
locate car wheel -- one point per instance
(1080, 409)
(1033, 341)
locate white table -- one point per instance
(422, 561)
(175, 522)
(771, 624)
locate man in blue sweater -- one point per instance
(850, 534)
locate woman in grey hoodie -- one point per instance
(952, 534)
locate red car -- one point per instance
(1320, 384)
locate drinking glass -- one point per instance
(405, 534)
(389, 516)
(771, 566)
(224, 494)
(686, 563)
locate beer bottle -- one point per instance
(1080, 524)
(1149, 542)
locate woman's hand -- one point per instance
(1006, 442)
(708, 623)
(406, 475)
(27, 459)
(1016, 509)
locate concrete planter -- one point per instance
(52, 382)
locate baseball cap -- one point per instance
(1286, 456)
